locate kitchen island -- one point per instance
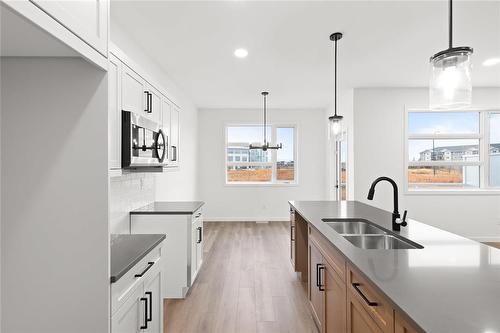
(450, 284)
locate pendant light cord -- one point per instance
(335, 78)
(265, 124)
(450, 19)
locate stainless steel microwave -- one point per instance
(144, 145)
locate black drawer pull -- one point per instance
(145, 326)
(150, 294)
(320, 284)
(150, 264)
(200, 235)
(317, 275)
(197, 215)
(356, 286)
(292, 228)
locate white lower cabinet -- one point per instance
(183, 249)
(136, 299)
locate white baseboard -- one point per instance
(245, 219)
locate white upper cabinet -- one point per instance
(154, 111)
(88, 19)
(114, 112)
(165, 123)
(174, 133)
(134, 93)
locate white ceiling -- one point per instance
(385, 44)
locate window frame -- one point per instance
(273, 161)
(483, 163)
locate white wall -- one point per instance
(55, 243)
(179, 184)
(379, 143)
(126, 193)
(258, 202)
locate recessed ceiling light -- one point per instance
(240, 53)
(491, 62)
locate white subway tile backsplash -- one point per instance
(128, 192)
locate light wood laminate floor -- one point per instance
(246, 284)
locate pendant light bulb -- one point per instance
(450, 84)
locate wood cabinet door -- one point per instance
(401, 325)
(358, 320)
(133, 92)
(114, 112)
(87, 19)
(335, 301)
(131, 315)
(316, 296)
(152, 291)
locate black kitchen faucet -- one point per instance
(397, 222)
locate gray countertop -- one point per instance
(170, 207)
(128, 250)
(451, 285)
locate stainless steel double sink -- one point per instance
(367, 235)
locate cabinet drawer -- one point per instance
(330, 253)
(373, 302)
(124, 287)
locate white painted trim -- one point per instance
(45, 22)
(246, 219)
(485, 239)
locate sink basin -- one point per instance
(354, 227)
(381, 242)
(369, 236)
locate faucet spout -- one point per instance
(395, 214)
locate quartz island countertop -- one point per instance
(450, 285)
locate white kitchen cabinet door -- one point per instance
(174, 130)
(114, 112)
(199, 247)
(165, 122)
(131, 316)
(134, 93)
(194, 240)
(152, 290)
(88, 19)
(155, 104)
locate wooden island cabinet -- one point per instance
(341, 298)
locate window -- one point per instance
(255, 166)
(453, 150)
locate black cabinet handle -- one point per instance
(174, 153)
(200, 233)
(150, 102)
(150, 294)
(145, 326)
(292, 228)
(147, 102)
(150, 264)
(356, 286)
(317, 275)
(197, 215)
(320, 284)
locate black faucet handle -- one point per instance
(404, 223)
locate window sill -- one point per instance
(255, 184)
(453, 192)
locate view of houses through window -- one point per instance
(255, 165)
(453, 150)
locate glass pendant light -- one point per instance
(265, 145)
(450, 74)
(335, 120)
